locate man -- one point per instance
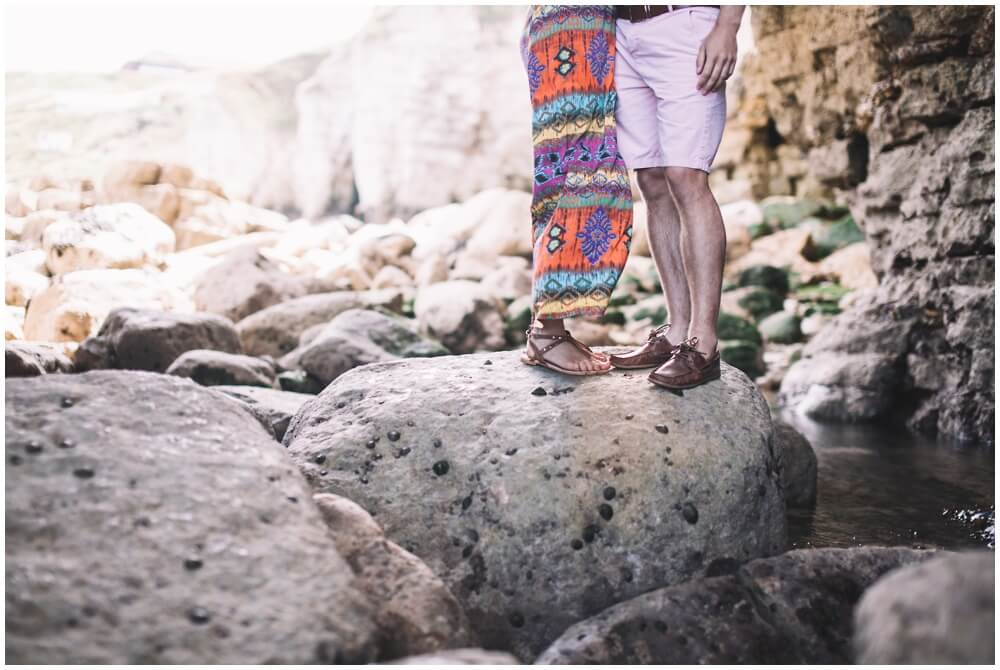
(671, 65)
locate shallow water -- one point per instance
(886, 486)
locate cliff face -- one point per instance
(891, 110)
(428, 105)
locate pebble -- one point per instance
(393, 435)
(690, 513)
(539, 391)
(577, 544)
(199, 615)
(84, 473)
(662, 428)
(610, 493)
(441, 468)
(606, 511)
(33, 447)
(192, 563)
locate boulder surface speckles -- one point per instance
(939, 612)
(149, 520)
(504, 493)
(793, 608)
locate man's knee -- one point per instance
(652, 183)
(686, 184)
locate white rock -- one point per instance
(391, 276)
(461, 314)
(501, 221)
(106, 236)
(74, 305)
(13, 323)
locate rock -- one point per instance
(732, 327)
(30, 359)
(793, 608)
(358, 337)
(75, 304)
(243, 283)
(145, 339)
(211, 218)
(391, 276)
(20, 202)
(414, 611)
(274, 409)
(753, 302)
(851, 266)
(766, 276)
(23, 280)
(106, 236)
(514, 515)
(494, 211)
(122, 178)
(743, 355)
(461, 314)
(784, 249)
(13, 323)
(939, 612)
(142, 499)
(835, 235)
(740, 218)
(35, 224)
(461, 657)
(787, 212)
(432, 270)
(64, 200)
(797, 462)
(840, 386)
(781, 327)
(217, 368)
(509, 282)
(275, 331)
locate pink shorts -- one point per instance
(662, 118)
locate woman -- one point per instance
(582, 205)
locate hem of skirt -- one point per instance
(586, 312)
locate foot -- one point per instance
(688, 367)
(654, 351)
(558, 350)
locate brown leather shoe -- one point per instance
(654, 351)
(687, 367)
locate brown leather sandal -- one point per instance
(535, 356)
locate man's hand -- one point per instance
(717, 55)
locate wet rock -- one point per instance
(840, 386)
(415, 611)
(797, 463)
(215, 368)
(144, 339)
(793, 608)
(275, 331)
(274, 409)
(530, 509)
(95, 565)
(462, 315)
(359, 337)
(941, 612)
(461, 657)
(30, 359)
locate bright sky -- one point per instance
(42, 36)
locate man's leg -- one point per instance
(703, 249)
(663, 227)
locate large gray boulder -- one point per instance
(793, 608)
(149, 520)
(358, 337)
(275, 331)
(540, 499)
(942, 612)
(148, 339)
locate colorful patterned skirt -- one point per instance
(582, 206)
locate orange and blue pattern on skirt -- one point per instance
(582, 201)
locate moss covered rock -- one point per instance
(834, 235)
(747, 356)
(767, 276)
(781, 328)
(760, 302)
(733, 327)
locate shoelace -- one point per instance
(658, 332)
(688, 348)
